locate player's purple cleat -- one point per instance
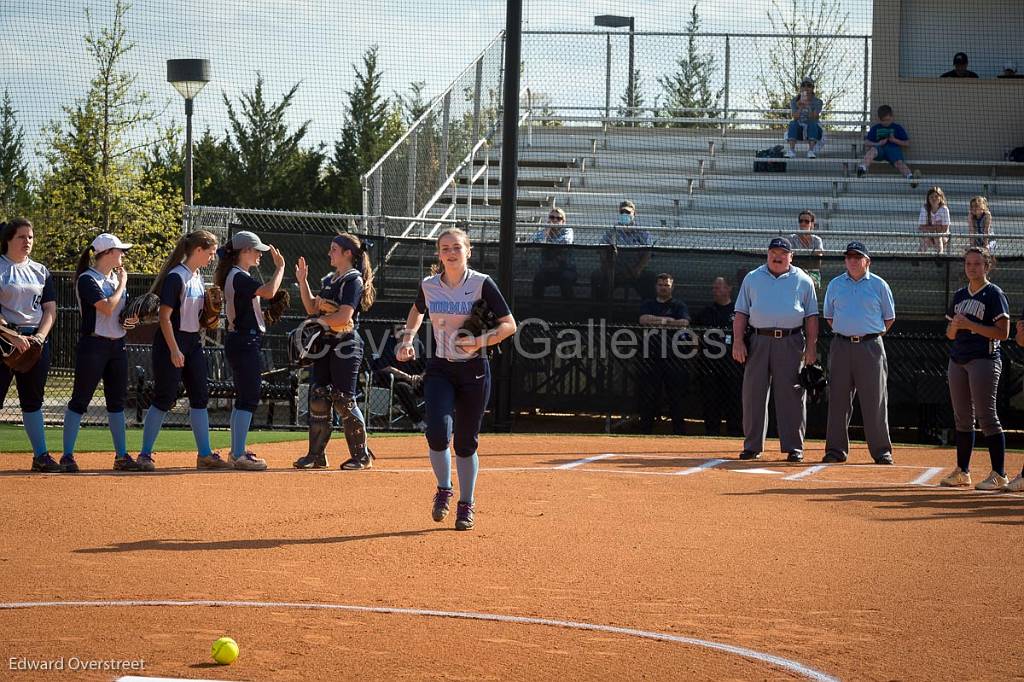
(464, 516)
(442, 499)
(46, 464)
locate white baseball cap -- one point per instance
(107, 241)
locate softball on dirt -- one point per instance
(224, 650)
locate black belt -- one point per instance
(27, 331)
(106, 338)
(778, 333)
(858, 339)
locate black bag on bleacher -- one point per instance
(776, 152)
(1016, 155)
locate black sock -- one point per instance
(964, 448)
(997, 452)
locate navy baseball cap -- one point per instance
(780, 243)
(858, 248)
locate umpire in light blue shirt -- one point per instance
(779, 302)
(860, 309)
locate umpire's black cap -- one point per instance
(858, 248)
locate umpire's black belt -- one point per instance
(858, 339)
(778, 333)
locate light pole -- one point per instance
(615, 21)
(188, 76)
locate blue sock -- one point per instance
(441, 463)
(118, 427)
(36, 431)
(151, 428)
(997, 451)
(240, 422)
(72, 424)
(200, 420)
(467, 468)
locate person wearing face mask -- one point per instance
(556, 264)
(779, 301)
(624, 264)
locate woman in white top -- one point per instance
(934, 219)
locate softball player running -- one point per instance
(242, 294)
(100, 282)
(28, 302)
(457, 383)
(177, 349)
(979, 318)
(343, 294)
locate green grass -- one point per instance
(92, 439)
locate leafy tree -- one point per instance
(825, 56)
(14, 179)
(209, 171)
(690, 87)
(264, 163)
(632, 102)
(373, 123)
(95, 179)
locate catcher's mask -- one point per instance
(812, 378)
(306, 343)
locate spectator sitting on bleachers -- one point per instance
(806, 110)
(934, 218)
(1010, 70)
(624, 265)
(808, 247)
(960, 69)
(979, 222)
(557, 267)
(885, 140)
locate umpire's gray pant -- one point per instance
(774, 363)
(972, 388)
(858, 369)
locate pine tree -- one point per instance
(265, 165)
(415, 104)
(372, 125)
(631, 104)
(14, 179)
(690, 87)
(95, 178)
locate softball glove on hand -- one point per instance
(146, 308)
(277, 307)
(17, 360)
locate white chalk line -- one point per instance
(771, 659)
(809, 471)
(710, 464)
(587, 460)
(927, 475)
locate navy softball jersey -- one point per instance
(92, 288)
(982, 307)
(243, 305)
(183, 291)
(450, 306)
(24, 288)
(346, 289)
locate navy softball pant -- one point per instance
(245, 359)
(96, 358)
(338, 367)
(167, 377)
(31, 384)
(456, 395)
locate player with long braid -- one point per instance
(28, 304)
(343, 294)
(457, 383)
(979, 318)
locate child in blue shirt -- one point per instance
(885, 140)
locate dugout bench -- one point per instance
(280, 384)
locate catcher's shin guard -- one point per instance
(319, 420)
(352, 422)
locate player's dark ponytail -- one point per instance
(185, 246)
(83, 261)
(361, 261)
(227, 258)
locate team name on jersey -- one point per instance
(970, 306)
(445, 307)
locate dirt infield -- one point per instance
(752, 570)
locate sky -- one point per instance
(44, 64)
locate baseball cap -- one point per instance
(780, 243)
(247, 240)
(107, 241)
(960, 58)
(858, 248)
(627, 204)
(807, 81)
(1009, 66)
